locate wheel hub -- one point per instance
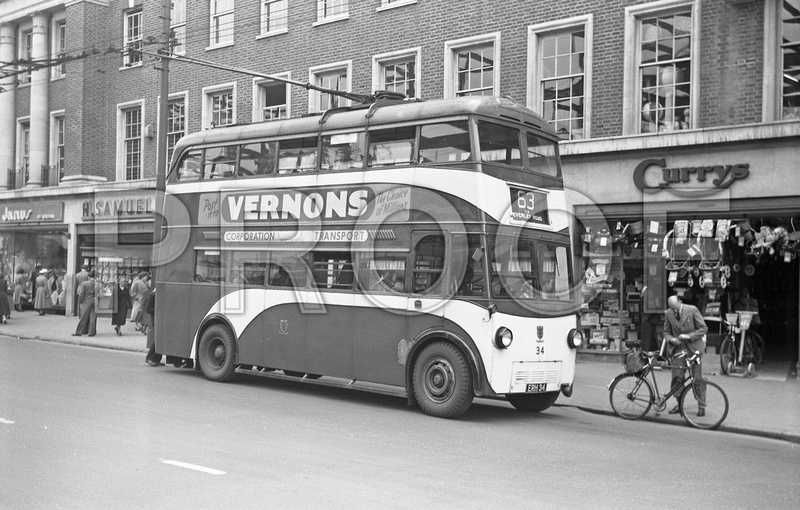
(439, 379)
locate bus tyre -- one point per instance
(217, 355)
(442, 381)
(533, 402)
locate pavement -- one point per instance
(767, 405)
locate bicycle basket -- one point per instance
(634, 362)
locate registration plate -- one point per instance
(535, 388)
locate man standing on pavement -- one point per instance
(88, 292)
(139, 289)
(81, 277)
(684, 329)
(153, 358)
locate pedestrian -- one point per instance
(20, 283)
(5, 306)
(153, 358)
(647, 321)
(138, 290)
(42, 293)
(685, 329)
(88, 292)
(81, 277)
(121, 301)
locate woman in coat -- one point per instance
(121, 300)
(42, 292)
(20, 282)
(5, 307)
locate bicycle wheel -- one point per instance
(715, 410)
(630, 396)
(758, 346)
(727, 353)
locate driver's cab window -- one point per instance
(429, 252)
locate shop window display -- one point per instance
(32, 252)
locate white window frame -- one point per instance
(379, 61)
(58, 71)
(772, 82)
(126, 59)
(208, 94)
(451, 62)
(211, 32)
(394, 4)
(121, 109)
(315, 72)
(25, 52)
(258, 97)
(183, 96)
(21, 156)
(535, 34)
(55, 116)
(322, 20)
(177, 24)
(269, 33)
(631, 88)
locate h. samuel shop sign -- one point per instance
(653, 174)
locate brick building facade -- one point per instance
(619, 79)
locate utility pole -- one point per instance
(163, 106)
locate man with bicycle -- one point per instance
(685, 329)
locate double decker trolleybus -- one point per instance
(416, 247)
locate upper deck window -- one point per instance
(394, 146)
(343, 151)
(220, 162)
(542, 155)
(257, 158)
(297, 155)
(444, 143)
(189, 167)
(500, 144)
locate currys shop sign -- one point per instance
(653, 174)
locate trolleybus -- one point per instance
(417, 246)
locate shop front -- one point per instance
(716, 223)
(34, 242)
(115, 238)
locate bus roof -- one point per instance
(359, 116)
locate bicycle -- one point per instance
(633, 395)
(740, 357)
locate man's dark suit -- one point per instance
(690, 323)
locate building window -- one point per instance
(330, 10)
(176, 124)
(26, 54)
(178, 26)
(59, 48)
(471, 67)
(665, 45)
(562, 78)
(397, 71)
(219, 105)
(133, 39)
(132, 143)
(391, 4)
(790, 51)
(221, 22)
(58, 150)
(23, 154)
(271, 101)
(274, 16)
(335, 77)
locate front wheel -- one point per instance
(217, 354)
(630, 396)
(704, 405)
(442, 381)
(533, 402)
(727, 353)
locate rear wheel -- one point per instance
(533, 402)
(630, 396)
(727, 353)
(709, 397)
(217, 354)
(442, 381)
